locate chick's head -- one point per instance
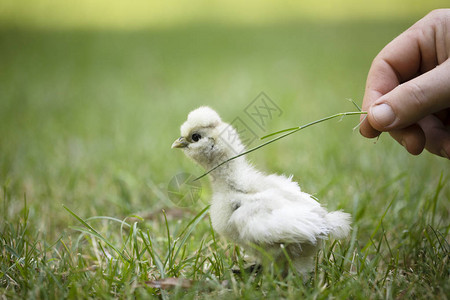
(206, 139)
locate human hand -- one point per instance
(408, 88)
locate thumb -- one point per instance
(413, 100)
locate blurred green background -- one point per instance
(92, 94)
(140, 14)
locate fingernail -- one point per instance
(444, 154)
(383, 114)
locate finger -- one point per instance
(366, 129)
(412, 138)
(412, 101)
(384, 76)
(407, 55)
(437, 136)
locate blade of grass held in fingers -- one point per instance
(288, 131)
(314, 122)
(355, 104)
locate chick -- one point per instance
(262, 213)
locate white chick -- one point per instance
(262, 213)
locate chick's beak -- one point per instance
(180, 143)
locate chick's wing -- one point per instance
(270, 217)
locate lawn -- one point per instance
(87, 120)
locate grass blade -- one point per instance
(192, 225)
(94, 232)
(290, 131)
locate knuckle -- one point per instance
(416, 95)
(439, 17)
(438, 12)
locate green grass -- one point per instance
(87, 120)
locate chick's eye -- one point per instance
(195, 137)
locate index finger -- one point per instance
(411, 53)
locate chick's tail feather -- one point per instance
(339, 223)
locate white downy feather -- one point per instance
(256, 210)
